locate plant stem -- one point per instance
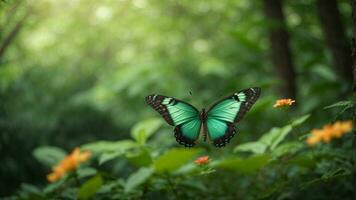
(77, 182)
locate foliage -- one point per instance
(77, 73)
(287, 161)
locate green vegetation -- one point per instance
(75, 73)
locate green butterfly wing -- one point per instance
(180, 114)
(225, 113)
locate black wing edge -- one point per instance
(155, 101)
(181, 139)
(252, 94)
(225, 139)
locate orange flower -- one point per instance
(283, 103)
(328, 132)
(202, 160)
(69, 163)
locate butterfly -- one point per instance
(217, 123)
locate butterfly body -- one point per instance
(216, 123)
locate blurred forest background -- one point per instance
(74, 72)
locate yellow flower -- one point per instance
(202, 160)
(313, 140)
(328, 132)
(283, 103)
(69, 163)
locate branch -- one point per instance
(11, 36)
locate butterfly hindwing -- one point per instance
(220, 132)
(180, 114)
(187, 133)
(223, 114)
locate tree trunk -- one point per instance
(335, 38)
(353, 50)
(280, 50)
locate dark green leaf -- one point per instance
(108, 146)
(300, 120)
(143, 130)
(324, 72)
(48, 155)
(54, 186)
(85, 172)
(254, 147)
(105, 157)
(275, 136)
(194, 184)
(339, 104)
(303, 161)
(247, 165)
(31, 189)
(174, 159)
(90, 187)
(287, 148)
(138, 178)
(139, 158)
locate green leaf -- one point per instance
(186, 169)
(194, 184)
(336, 173)
(90, 187)
(300, 120)
(105, 157)
(49, 155)
(143, 130)
(108, 146)
(290, 147)
(268, 137)
(275, 136)
(324, 72)
(269, 191)
(303, 161)
(138, 178)
(248, 165)
(109, 187)
(254, 147)
(31, 189)
(54, 186)
(328, 176)
(280, 136)
(174, 158)
(82, 173)
(139, 158)
(340, 104)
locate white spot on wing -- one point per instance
(166, 101)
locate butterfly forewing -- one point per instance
(251, 96)
(180, 114)
(225, 110)
(223, 114)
